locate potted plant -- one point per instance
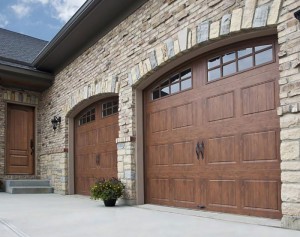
(109, 190)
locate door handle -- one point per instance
(200, 150)
(98, 159)
(31, 146)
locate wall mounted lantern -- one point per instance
(297, 15)
(55, 121)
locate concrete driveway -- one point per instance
(61, 216)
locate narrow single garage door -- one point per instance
(96, 130)
(212, 133)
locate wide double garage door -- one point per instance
(96, 130)
(212, 133)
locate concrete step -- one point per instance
(28, 182)
(28, 186)
(29, 190)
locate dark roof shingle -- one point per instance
(19, 48)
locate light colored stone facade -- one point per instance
(154, 38)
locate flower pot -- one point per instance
(110, 202)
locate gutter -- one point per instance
(62, 34)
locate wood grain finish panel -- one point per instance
(222, 193)
(220, 107)
(183, 153)
(260, 146)
(182, 116)
(20, 140)
(158, 121)
(184, 190)
(159, 155)
(95, 149)
(221, 150)
(261, 194)
(258, 98)
(160, 189)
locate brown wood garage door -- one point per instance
(96, 130)
(212, 133)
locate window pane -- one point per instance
(88, 119)
(262, 47)
(165, 83)
(104, 106)
(109, 111)
(104, 113)
(245, 63)
(115, 102)
(174, 78)
(165, 91)
(155, 94)
(109, 104)
(264, 57)
(186, 74)
(214, 74)
(213, 62)
(244, 52)
(93, 111)
(186, 84)
(174, 88)
(229, 69)
(93, 117)
(115, 110)
(228, 57)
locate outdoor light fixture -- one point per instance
(297, 15)
(55, 121)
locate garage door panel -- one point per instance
(220, 107)
(159, 155)
(261, 194)
(159, 121)
(258, 98)
(260, 146)
(182, 116)
(222, 193)
(182, 153)
(184, 190)
(221, 150)
(159, 189)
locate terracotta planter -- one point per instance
(110, 202)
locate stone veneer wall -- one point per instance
(20, 97)
(157, 33)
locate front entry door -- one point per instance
(20, 140)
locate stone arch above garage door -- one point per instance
(250, 17)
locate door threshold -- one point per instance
(215, 215)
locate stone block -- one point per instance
(153, 60)
(261, 16)
(203, 32)
(290, 165)
(170, 48)
(290, 222)
(236, 20)
(290, 193)
(248, 13)
(183, 39)
(214, 30)
(225, 24)
(291, 209)
(290, 177)
(159, 54)
(290, 134)
(290, 150)
(176, 47)
(289, 121)
(274, 12)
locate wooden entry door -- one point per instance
(20, 140)
(212, 133)
(96, 130)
